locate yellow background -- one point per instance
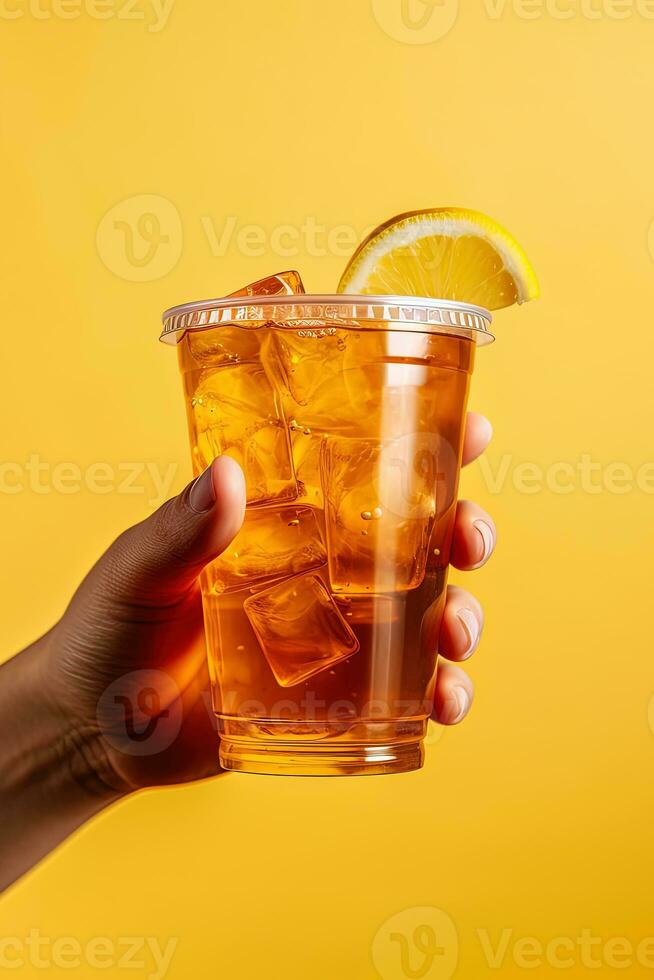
(534, 816)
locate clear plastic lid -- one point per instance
(415, 314)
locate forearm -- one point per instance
(49, 785)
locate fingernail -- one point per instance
(487, 537)
(202, 496)
(469, 622)
(462, 703)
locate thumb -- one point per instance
(159, 559)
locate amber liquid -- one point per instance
(323, 615)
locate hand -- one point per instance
(127, 668)
(116, 694)
(127, 659)
(128, 655)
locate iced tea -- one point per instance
(323, 614)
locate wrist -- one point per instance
(51, 779)
(44, 749)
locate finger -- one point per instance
(461, 626)
(474, 537)
(453, 694)
(478, 434)
(160, 558)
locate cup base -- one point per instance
(298, 758)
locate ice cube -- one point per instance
(235, 411)
(221, 345)
(323, 376)
(271, 544)
(308, 359)
(416, 475)
(231, 344)
(379, 511)
(300, 629)
(281, 283)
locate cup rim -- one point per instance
(295, 311)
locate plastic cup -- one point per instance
(322, 618)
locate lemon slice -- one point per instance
(447, 253)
